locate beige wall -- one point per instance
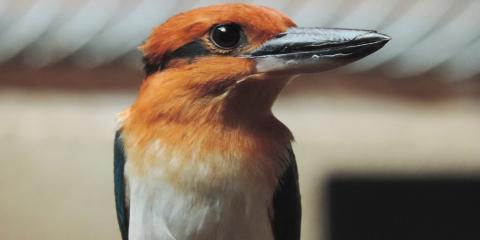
(56, 152)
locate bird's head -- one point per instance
(229, 62)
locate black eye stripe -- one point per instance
(191, 50)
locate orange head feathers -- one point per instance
(258, 24)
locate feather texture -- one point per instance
(237, 209)
(287, 210)
(120, 186)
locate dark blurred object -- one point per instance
(387, 208)
(69, 77)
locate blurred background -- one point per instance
(388, 148)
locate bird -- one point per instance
(199, 155)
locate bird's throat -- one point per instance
(251, 99)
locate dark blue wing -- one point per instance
(287, 210)
(119, 181)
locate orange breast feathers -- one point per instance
(200, 153)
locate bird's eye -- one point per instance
(225, 36)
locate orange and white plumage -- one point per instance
(199, 195)
(201, 179)
(199, 155)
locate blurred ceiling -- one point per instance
(427, 34)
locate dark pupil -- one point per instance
(226, 36)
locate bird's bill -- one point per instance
(307, 50)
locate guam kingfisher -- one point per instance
(199, 154)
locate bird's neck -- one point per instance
(236, 126)
(241, 102)
(251, 100)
